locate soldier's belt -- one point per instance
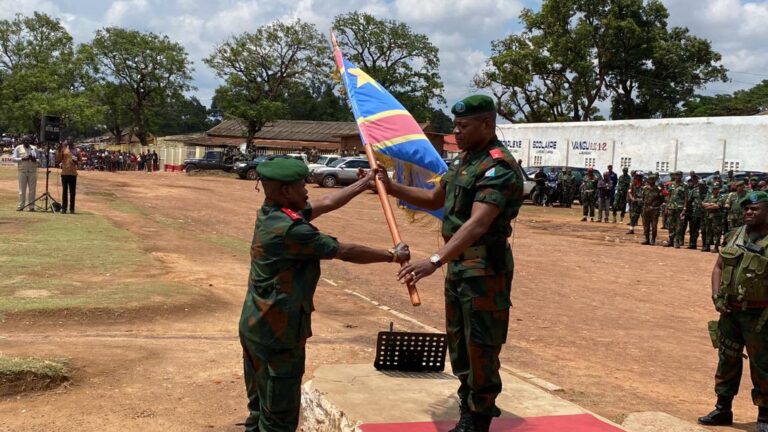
(473, 252)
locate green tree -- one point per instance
(261, 68)
(152, 67)
(181, 115)
(404, 62)
(40, 74)
(316, 102)
(741, 103)
(573, 54)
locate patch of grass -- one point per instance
(20, 374)
(80, 261)
(233, 244)
(126, 207)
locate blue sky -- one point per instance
(461, 29)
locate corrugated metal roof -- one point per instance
(294, 130)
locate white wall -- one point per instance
(701, 144)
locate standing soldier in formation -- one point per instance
(620, 199)
(735, 215)
(285, 267)
(713, 206)
(566, 186)
(677, 203)
(635, 201)
(589, 195)
(696, 221)
(652, 199)
(740, 294)
(480, 196)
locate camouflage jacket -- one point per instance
(589, 184)
(624, 181)
(285, 267)
(678, 193)
(735, 213)
(651, 197)
(490, 175)
(694, 202)
(566, 179)
(718, 199)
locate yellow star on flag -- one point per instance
(363, 78)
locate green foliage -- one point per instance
(318, 103)
(740, 103)
(404, 62)
(149, 67)
(575, 53)
(440, 122)
(262, 68)
(40, 74)
(181, 115)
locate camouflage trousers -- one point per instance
(635, 210)
(620, 203)
(694, 228)
(588, 203)
(737, 330)
(273, 385)
(650, 222)
(477, 326)
(676, 226)
(712, 231)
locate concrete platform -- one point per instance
(358, 398)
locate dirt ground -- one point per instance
(620, 326)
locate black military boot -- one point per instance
(722, 415)
(653, 241)
(465, 418)
(479, 423)
(705, 248)
(647, 241)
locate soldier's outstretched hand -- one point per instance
(381, 174)
(401, 253)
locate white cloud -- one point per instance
(127, 13)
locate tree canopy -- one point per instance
(740, 103)
(262, 68)
(404, 62)
(573, 54)
(150, 67)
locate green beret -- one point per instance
(284, 170)
(754, 179)
(472, 105)
(754, 198)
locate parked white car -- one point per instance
(322, 162)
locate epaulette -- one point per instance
(291, 214)
(496, 153)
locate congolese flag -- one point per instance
(390, 130)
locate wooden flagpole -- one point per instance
(389, 215)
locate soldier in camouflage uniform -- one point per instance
(652, 199)
(713, 206)
(740, 294)
(622, 189)
(285, 267)
(566, 180)
(677, 202)
(733, 209)
(635, 202)
(589, 195)
(480, 195)
(695, 197)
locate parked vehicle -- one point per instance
(322, 162)
(212, 160)
(247, 170)
(342, 172)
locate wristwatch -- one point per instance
(436, 260)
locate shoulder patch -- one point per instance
(496, 154)
(291, 214)
(491, 172)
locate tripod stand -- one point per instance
(54, 207)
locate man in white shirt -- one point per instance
(25, 155)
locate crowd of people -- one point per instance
(704, 210)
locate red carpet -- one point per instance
(567, 423)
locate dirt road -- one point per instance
(620, 326)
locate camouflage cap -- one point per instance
(473, 105)
(740, 183)
(754, 179)
(754, 198)
(284, 170)
(678, 173)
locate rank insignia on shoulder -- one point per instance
(291, 214)
(496, 154)
(491, 172)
